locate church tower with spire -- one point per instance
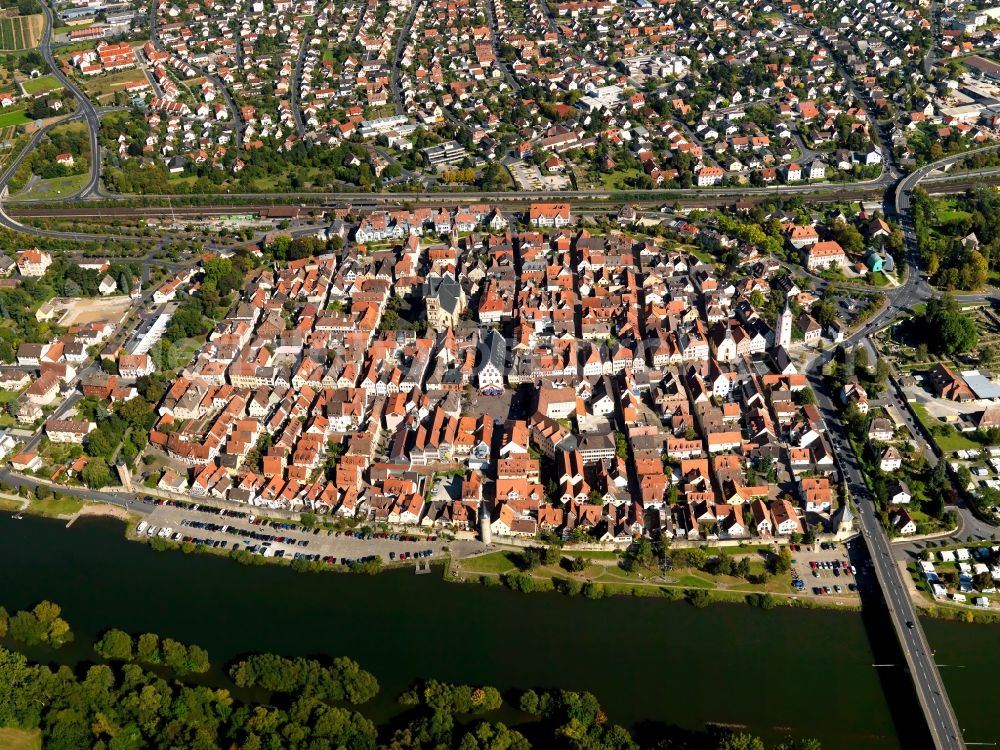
(783, 330)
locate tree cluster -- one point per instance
(117, 645)
(131, 708)
(122, 707)
(42, 624)
(946, 329)
(343, 680)
(191, 319)
(947, 257)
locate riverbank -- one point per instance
(102, 510)
(50, 507)
(466, 561)
(604, 577)
(332, 713)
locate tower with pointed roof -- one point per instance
(783, 328)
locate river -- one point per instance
(651, 663)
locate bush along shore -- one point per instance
(307, 704)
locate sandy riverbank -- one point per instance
(105, 510)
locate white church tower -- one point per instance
(783, 330)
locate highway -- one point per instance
(901, 199)
(869, 188)
(84, 105)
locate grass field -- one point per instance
(20, 739)
(104, 87)
(951, 440)
(616, 180)
(42, 85)
(7, 503)
(494, 562)
(592, 554)
(702, 255)
(65, 506)
(17, 117)
(949, 216)
(21, 32)
(57, 187)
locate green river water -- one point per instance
(652, 664)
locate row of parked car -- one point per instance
(281, 525)
(386, 535)
(836, 566)
(411, 555)
(246, 533)
(823, 590)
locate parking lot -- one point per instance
(827, 572)
(226, 530)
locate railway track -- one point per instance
(103, 212)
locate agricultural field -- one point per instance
(20, 739)
(21, 32)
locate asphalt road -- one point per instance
(927, 681)
(131, 501)
(933, 698)
(296, 90)
(85, 106)
(908, 183)
(397, 56)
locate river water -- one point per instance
(652, 664)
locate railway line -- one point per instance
(312, 204)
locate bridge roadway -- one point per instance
(928, 685)
(939, 715)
